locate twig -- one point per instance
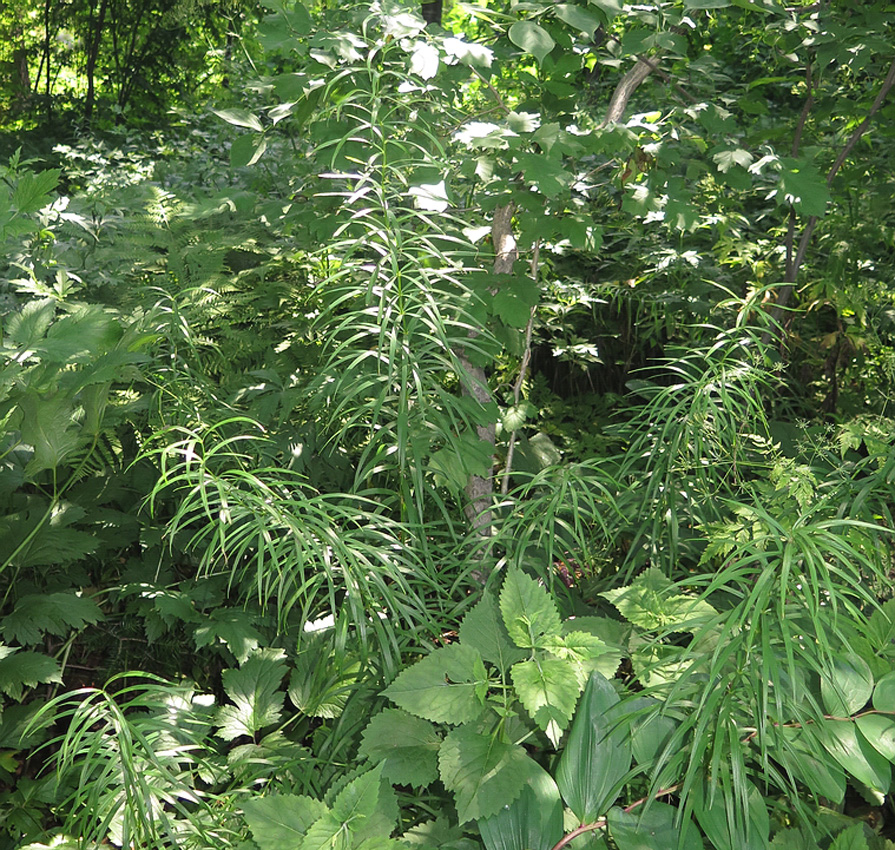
(601, 823)
(494, 92)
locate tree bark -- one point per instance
(625, 88)
(479, 489)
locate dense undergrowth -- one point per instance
(250, 367)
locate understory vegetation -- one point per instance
(448, 428)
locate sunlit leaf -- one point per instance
(280, 821)
(447, 686)
(532, 38)
(548, 688)
(528, 612)
(240, 118)
(253, 689)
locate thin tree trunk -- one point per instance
(47, 47)
(93, 45)
(479, 489)
(431, 11)
(794, 261)
(625, 88)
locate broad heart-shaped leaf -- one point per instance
(253, 689)
(653, 829)
(853, 838)
(847, 686)
(53, 613)
(532, 39)
(514, 300)
(483, 773)
(548, 689)
(528, 612)
(360, 798)
(585, 652)
(447, 686)
(545, 173)
(327, 833)
(533, 821)
(407, 745)
(843, 741)
(652, 602)
(363, 814)
(483, 629)
(20, 669)
(597, 754)
(280, 821)
(879, 730)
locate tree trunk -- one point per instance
(431, 11)
(479, 489)
(93, 45)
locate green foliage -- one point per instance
(255, 372)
